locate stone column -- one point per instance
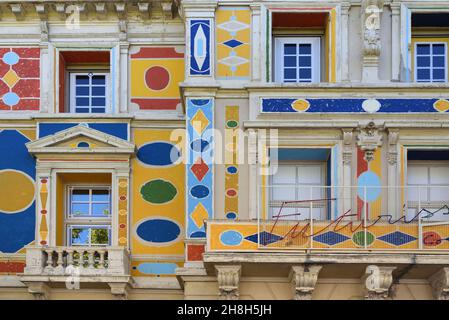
(348, 147)
(395, 41)
(440, 284)
(303, 279)
(253, 173)
(122, 83)
(228, 278)
(394, 207)
(377, 282)
(344, 65)
(256, 33)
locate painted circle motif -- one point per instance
(231, 169)
(231, 238)
(441, 105)
(157, 78)
(11, 99)
(371, 105)
(231, 192)
(359, 238)
(300, 105)
(231, 215)
(431, 239)
(158, 154)
(232, 123)
(158, 231)
(11, 58)
(371, 181)
(158, 191)
(199, 145)
(199, 191)
(16, 191)
(198, 234)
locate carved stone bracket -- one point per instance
(377, 281)
(39, 290)
(440, 284)
(347, 145)
(303, 279)
(369, 139)
(228, 278)
(119, 290)
(393, 137)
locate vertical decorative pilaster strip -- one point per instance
(232, 125)
(123, 211)
(199, 162)
(200, 47)
(43, 219)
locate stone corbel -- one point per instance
(123, 30)
(39, 290)
(167, 9)
(377, 282)
(228, 278)
(119, 290)
(347, 145)
(120, 8)
(41, 10)
(440, 284)
(393, 137)
(60, 9)
(44, 30)
(369, 139)
(18, 10)
(303, 279)
(101, 9)
(144, 10)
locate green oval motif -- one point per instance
(232, 123)
(158, 191)
(359, 238)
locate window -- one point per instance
(430, 62)
(428, 190)
(297, 59)
(88, 92)
(298, 182)
(88, 218)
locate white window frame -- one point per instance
(90, 227)
(72, 92)
(304, 205)
(73, 221)
(315, 43)
(415, 58)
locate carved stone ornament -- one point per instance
(347, 145)
(303, 280)
(371, 27)
(369, 139)
(440, 284)
(393, 136)
(377, 281)
(228, 278)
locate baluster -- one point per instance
(49, 258)
(69, 258)
(91, 259)
(101, 263)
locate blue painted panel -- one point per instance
(158, 230)
(304, 154)
(157, 268)
(200, 47)
(119, 130)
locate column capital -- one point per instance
(440, 284)
(228, 278)
(378, 281)
(303, 279)
(345, 6)
(395, 8)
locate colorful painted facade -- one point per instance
(158, 152)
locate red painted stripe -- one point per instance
(12, 267)
(156, 104)
(157, 53)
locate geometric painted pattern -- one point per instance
(199, 178)
(330, 238)
(44, 186)
(19, 78)
(231, 162)
(200, 61)
(123, 211)
(233, 42)
(155, 76)
(266, 238)
(397, 238)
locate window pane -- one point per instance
(98, 110)
(289, 61)
(305, 73)
(438, 74)
(289, 73)
(285, 175)
(80, 236)
(289, 48)
(304, 61)
(98, 102)
(100, 236)
(423, 49)
(80, 195)
(82, 80)
(100, 195)
(82, 91)
(305, 48)
(82, 110)
(82, 102)
(438, 61)
(100, 209)
(98, 91)
(423, 74)
(438, 49)
(423, 61)
(98, 80)
(417, 175)
(80, 209)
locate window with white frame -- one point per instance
(296, 190)
(430, 62)
(89, 92)
(428, 190)
(88, 215)
(297, 59)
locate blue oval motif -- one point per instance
(231, 238)
(11, 99)
(10, 58)
(369, 186)
(231, 169)
(199, 145)
(158, 154)
(198, 234)
(199, 191)
(200, 102)
(231, 215)
(158, 231)
(157, 268)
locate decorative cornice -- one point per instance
(369, 139)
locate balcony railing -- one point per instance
(91, 261)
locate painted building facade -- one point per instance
(221, 150)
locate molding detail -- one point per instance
(347, 145)
(440, 284)
(369, 139)
(371, 10)
(303, 279)
(378, 281)
(393, 136)
(228, 278)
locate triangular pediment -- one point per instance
(80, 139)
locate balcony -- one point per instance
(76, 266)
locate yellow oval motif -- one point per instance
(122, 212)
(300, 105)
(441, 105)
(16, 191)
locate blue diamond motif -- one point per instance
(266, 238)
(233, 43)
(330, 238)
(397, 238)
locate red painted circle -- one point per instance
(44, 180)
(44, 211)
(122, 225)
(431, 238)
(231, 192)
(157, 78)
(43, 242)
(123, 198)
